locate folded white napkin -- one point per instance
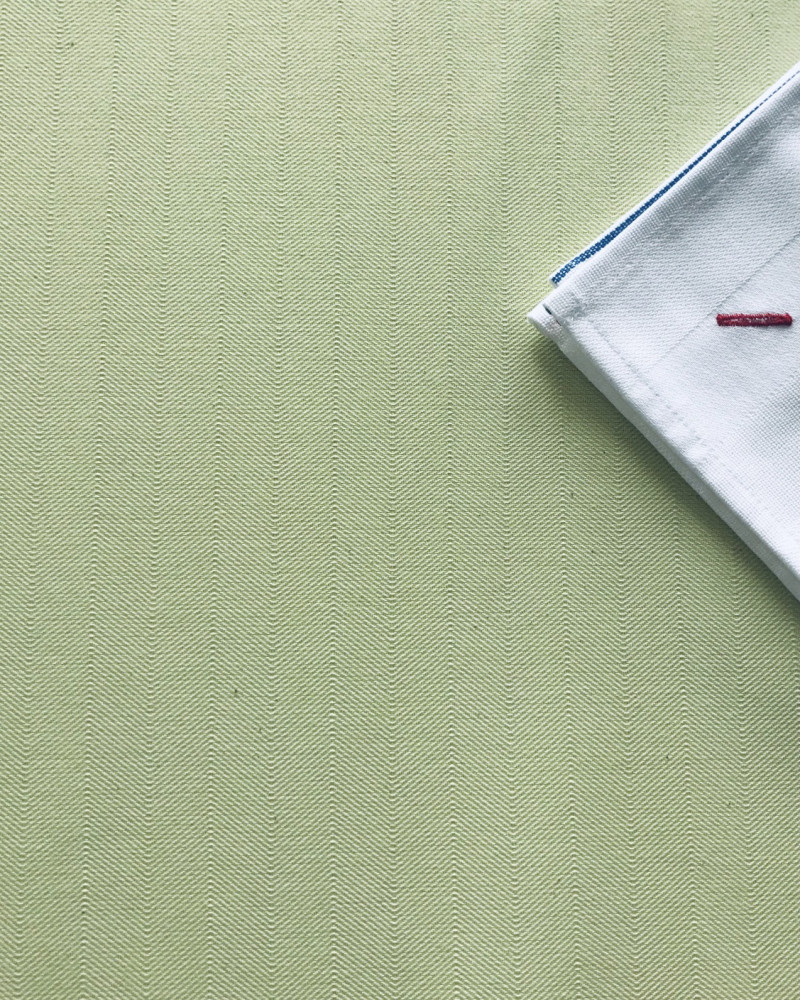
(680, 313)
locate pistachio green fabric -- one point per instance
(353, 645)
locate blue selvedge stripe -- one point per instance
(591, 250)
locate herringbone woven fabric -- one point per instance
(353, 645)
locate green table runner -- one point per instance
(353, 645)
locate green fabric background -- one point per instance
(353, 645)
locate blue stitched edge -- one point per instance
(591, 250)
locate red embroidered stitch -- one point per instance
(754, 319)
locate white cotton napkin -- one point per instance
(637, 312)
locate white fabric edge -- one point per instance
(681, 447)
(676, 179)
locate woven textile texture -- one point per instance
(353, 645)
(639, 317)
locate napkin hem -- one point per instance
(668, 432)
